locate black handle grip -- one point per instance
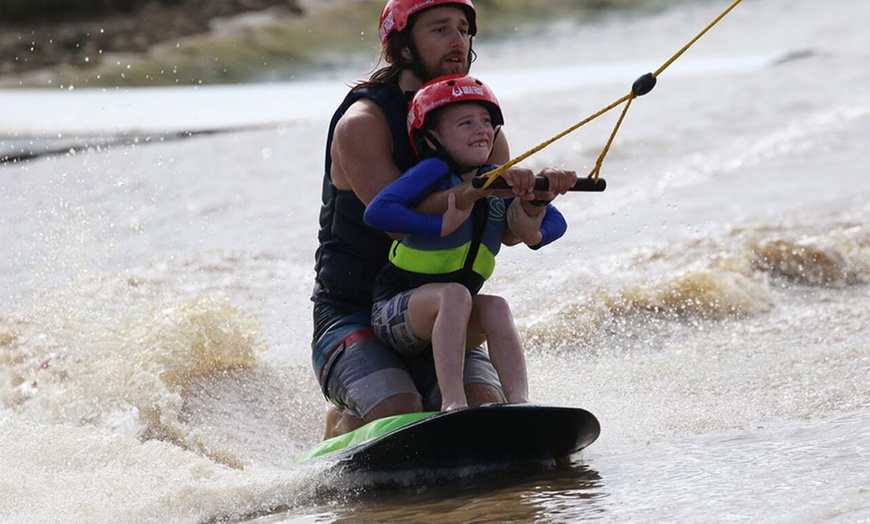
(542, 184)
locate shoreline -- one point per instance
(283, 40)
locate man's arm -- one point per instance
(536, 230)
(362, 152)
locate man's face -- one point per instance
(442, 40)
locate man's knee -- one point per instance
(339, 422)
(479, 394)
(398, 404)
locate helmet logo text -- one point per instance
(460, 91)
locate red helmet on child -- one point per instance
(447, 90)
(397, 12)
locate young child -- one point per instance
(428, 292)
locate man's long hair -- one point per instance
(396, 63)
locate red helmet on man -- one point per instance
(396, 14)
(444, 91)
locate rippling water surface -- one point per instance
(711, 307)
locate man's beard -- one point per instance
(443, 67)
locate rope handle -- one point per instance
(543, 184)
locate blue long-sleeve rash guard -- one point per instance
(391, 209)
(552, 227)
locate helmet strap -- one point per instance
(430, 147)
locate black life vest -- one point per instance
(351, 253)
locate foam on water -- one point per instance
(710, 307)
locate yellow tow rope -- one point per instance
(641, 86)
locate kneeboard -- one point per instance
(493, 435)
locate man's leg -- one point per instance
(479, 394)
(368, 381)
(340, 422)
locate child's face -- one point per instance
(465, 130)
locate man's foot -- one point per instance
(338, 423)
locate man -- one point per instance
(367, 148)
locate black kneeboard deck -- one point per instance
(493, 435)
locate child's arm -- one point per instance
(393, 210)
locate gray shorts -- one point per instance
(366, 372)
(392, 325)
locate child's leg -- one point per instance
(492, 316)
(440, 313)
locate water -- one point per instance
(710, 307)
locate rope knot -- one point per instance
(643, 85)
(640, 87)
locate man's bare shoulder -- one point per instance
(362, 151)
(362, 132)
(361, 118)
